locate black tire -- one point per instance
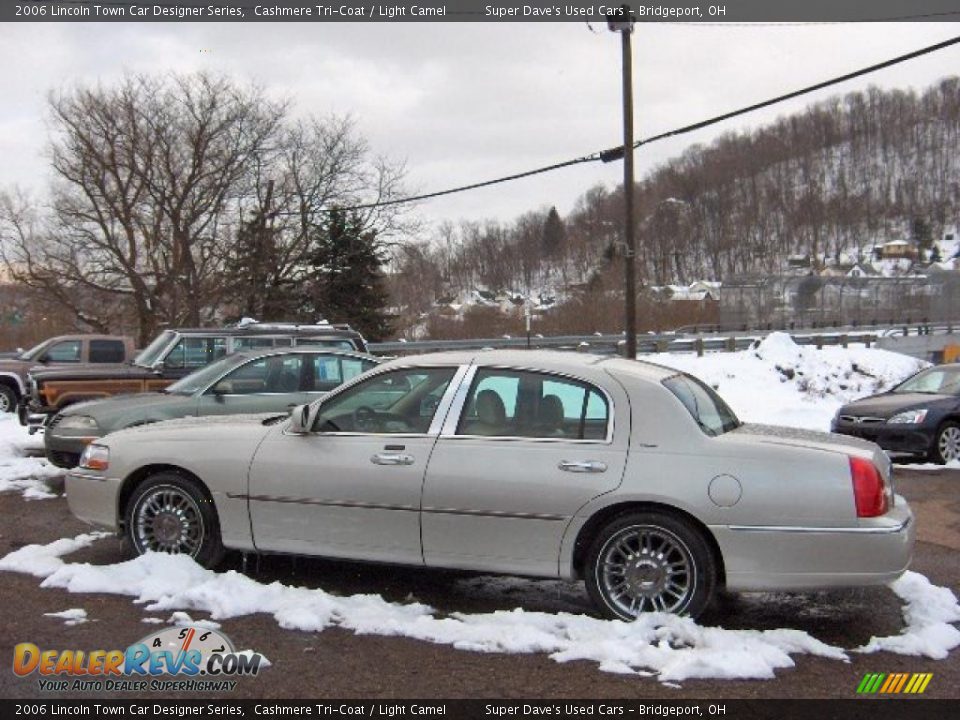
(657, 561)
(169, 512)
(945, 447)
(8, 399)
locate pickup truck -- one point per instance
(173, 354)
(60, 351)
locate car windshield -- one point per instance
(34, 351)
(935, 381)
(151, 353)
(202, 378)
(712, 414)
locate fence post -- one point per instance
(731, 344)
(699, 346)
(843, 341)
(818, 340)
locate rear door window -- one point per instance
(511, 403)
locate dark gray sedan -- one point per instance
(244, 382)
(920, 416)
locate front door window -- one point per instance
(402, 401)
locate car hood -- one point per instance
(139, 403)
(100, 371)
(889, 404)
(195, 428)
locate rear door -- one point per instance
(519, 455)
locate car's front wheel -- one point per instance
(946, 446)
(170, 513)
(8, 399)
(650, 562)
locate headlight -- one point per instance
(910, 417)
(77, 422)
(95, 457)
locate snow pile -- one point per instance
(671, 647)
(19, 473)
(778, 382)
(928, 613)
(73, 616)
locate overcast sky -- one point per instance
(464, 102)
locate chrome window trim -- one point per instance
(432, 431)
(453, 419)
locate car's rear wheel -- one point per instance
(8, 399)
(170, 513)
(650, 562)
(947, 444)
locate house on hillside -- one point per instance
(899, 250)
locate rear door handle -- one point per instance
(391, 458)
(583, 466)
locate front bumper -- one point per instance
(875, 551)
(93, 498)
(909, 439)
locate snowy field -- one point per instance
(776, 382)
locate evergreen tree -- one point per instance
(345, 276)
(554, 233)
(250, 274)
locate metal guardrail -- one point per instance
(680, 341)
(610, 344)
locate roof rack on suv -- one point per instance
(321, 325)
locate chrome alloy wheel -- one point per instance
(645, 568)
(168, 520)
(948, 443)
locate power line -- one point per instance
(616, 153)
(802, 91)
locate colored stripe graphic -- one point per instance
(894, 683)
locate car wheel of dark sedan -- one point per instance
(947, 445)
(8, 399)
(170, 513)
(650, 562)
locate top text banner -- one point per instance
(730, 11)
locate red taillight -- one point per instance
(869, 491)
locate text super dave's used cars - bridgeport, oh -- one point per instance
(634, 477)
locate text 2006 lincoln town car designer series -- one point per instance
(634, 477)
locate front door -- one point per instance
(351, 487)
(528, 450)
(268, 384)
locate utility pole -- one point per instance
(622, 22)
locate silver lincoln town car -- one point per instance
(634, 477)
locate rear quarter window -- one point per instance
(107, 351)
(707, 408)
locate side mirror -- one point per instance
(302, 418)
(43, 359)
(222, 388)
(158, 366)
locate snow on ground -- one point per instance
(778, 382)
(73, 616)
(17, 472)
(671, 647)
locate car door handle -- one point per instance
(583, 466)
(391, 458)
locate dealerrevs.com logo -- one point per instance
(894, 683)
(197, 658)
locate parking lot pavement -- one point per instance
(338, 663)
